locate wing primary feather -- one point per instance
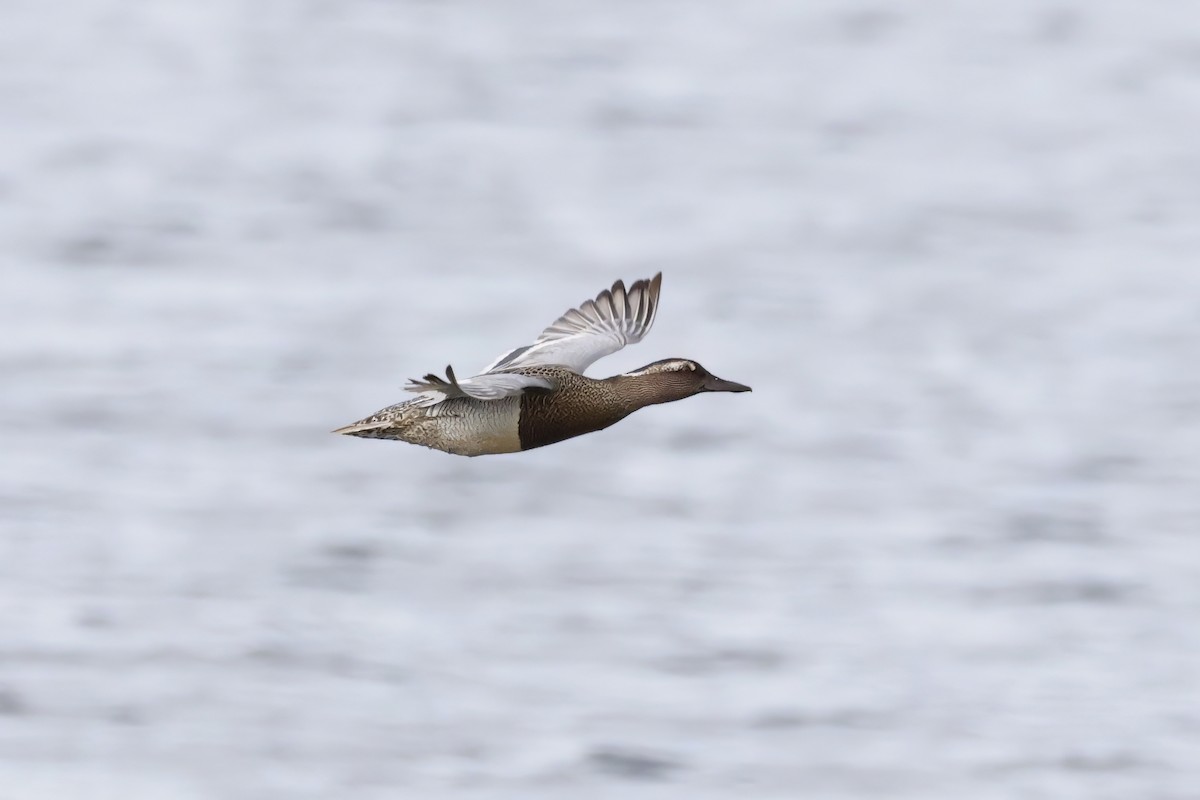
(635, 303)
(621, 303)
(652, 291)
(643, 305)
(591, 309)
(608, 304)
(615, 317)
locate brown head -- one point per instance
(582, 405)
(671, 379)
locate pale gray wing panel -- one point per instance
(596, 328)
(432, 389)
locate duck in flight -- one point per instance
(537, 394)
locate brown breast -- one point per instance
(579, 405)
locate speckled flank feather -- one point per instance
(461, 426)
(537, 395)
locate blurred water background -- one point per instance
(947, 549)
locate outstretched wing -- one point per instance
(432, 389)
(597, 328)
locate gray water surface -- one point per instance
(948, 548)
